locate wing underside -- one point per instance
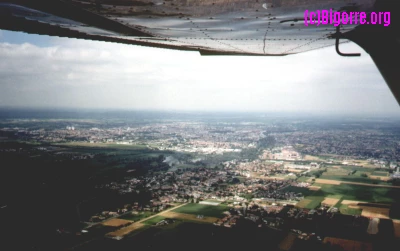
(213, 27)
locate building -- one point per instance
(396, 175)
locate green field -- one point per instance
(303, 179)
(315, 201)
(358, 168)
(379, 173)
(348, 168)
(354, 178)
(206, 210)
(349, 192)
(361, 173)
(136, 217)
(336, 171)
(335, 196)
(344, 209)
(361, 193)
(154, 220)
(345, 173)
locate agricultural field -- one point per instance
(295, 170)
(347, 209)
(116, 222)
(181, 217)
(355, 174)
(328, 182)
(331, 201)
(372, 212)
(336, 171)
(345, 196)
(199, 209)
(313, 158)
(354, 178)
(190, 217)
(304, 179)
(314, 188)
(396, 225)
(352, 162)
(380, 173)
(136, 217)
(350, 192)
(288, 242)
(126, 230)
(283, 177)
(349, 245)
(360, 193)
(311, 202)
(315, 201)
(303, 203)
(359, 168)
(154, 220)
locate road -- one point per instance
(160, 213)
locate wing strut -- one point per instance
(338, 36)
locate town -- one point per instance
(314, 183)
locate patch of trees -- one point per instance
(234, 181)
(318, 173)
(142, 166)
(395, 182)
(267, 142)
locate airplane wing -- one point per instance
(212, 27)
(244, 27)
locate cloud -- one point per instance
(78, 73)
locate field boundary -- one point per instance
(190, 217)
(120, 233)
(336, 182)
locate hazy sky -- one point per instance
(42, 71)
